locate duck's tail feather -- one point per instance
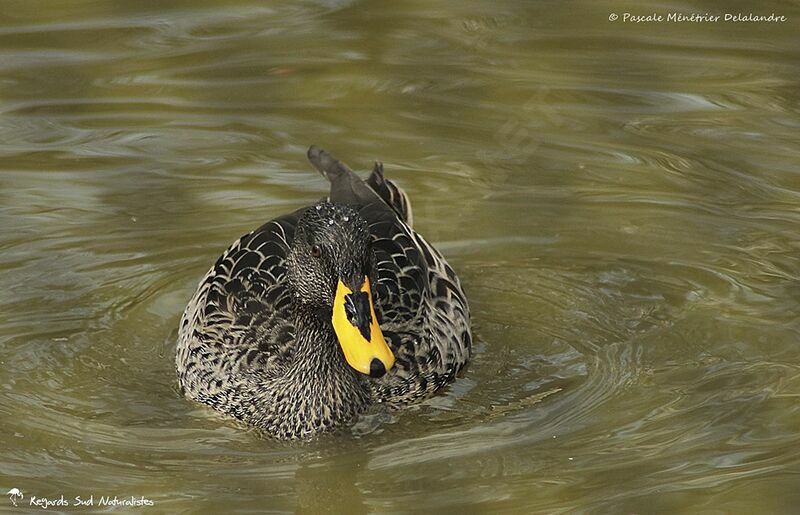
(348, 188)
(326, 164)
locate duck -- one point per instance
(304, 323)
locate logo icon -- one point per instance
(15, 495)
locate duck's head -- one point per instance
(329, 267)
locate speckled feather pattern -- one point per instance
(247, 349)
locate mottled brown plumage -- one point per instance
(256, 340)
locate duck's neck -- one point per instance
(317, 353)
(320, 390)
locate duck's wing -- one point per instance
(423, 312)
(394, 196)
(421, 307)
(239, 320)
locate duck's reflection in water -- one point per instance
(326, 484)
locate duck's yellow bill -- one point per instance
(358, 331)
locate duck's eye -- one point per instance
(316, 251)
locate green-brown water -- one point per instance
(620, 200)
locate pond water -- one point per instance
(619, 199)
